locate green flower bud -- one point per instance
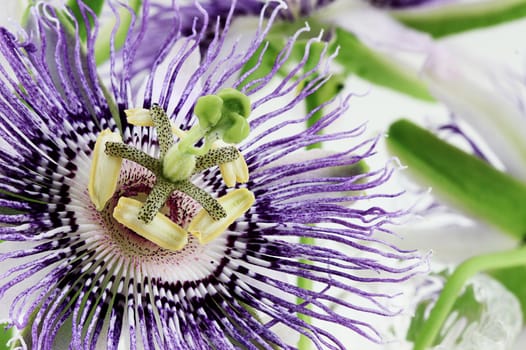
(237, 130)
(208, 110)
(234, 102)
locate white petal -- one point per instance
(482, 95)
(374, 27)
(499, 324)
(453, 243)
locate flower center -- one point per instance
(222, 121)
(135, 183)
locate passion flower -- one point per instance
(172, 218)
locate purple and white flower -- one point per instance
(75, 270)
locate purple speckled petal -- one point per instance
(70, 269)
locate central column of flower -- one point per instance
(222, 122)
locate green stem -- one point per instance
(94, 5)
(304, 343)
(454, 285)
(462, 179)
(375, 66)
(190, 139)
(457, 17)
(103, 43)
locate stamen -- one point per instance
(234, 171)
(142, 117)
(209, 203)
(161, 230)
(155, 200)
(164, 128)
(218, 114)
(216, 157)
(236, 203)
(135, 155)
(105, 170)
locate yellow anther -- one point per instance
(161, 230)
(105, 170)
(139, 117)
(235, 203)
(235, 171)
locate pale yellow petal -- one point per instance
(105, 170)
(161, 230)
(236, 203)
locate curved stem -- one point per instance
(304, 343)
(103, 44)
(454, 285)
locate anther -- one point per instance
(161, 230)
(139, 117)
(236, 203)
(105, 170)
(235, 170)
